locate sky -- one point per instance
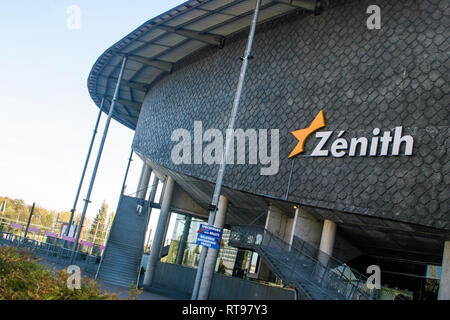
(46, 114)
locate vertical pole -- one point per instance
(55, 221)
(160, 232)
(289, 180)
(29, 220)
(326, 247)
(151, 200)
(99, 155)
(221, 173)
(211, 257)
(2, 210)
(147, 244)
(124, 183)
(294, 224)
(2, 207)
(122, 191)
(144, 179)
(327, 240)
(72, 212)
(95, 234)
(444, 283)
(183, 240)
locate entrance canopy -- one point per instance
(155, 47)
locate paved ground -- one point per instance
(122, 292)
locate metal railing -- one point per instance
(315, 274)
(57, 254)
(5, 226)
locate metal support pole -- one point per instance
(289, 180)
(29, 220)
(229, 136)
(72, 212)
(99, 155)
(124, 184)
(211, 256)
(150, 201)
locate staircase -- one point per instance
(314, 275)
(121, 259)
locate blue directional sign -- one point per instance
(209, 236)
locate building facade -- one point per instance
(376, 167)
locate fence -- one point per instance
(181, 279)
(56, 254)
(39, 231)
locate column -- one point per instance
(211, 257)
(183, 240)
(444, 283)
(151, 199)
(294, 224)
(276, 221)
(160, 231)
(144, 179)
(327, 241)
(306, 227)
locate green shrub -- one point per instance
(23, 278)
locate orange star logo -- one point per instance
(303, 134)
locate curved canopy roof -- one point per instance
(161, 42)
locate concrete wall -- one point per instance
(278, 223)
(183, 203)
(362, 79)
(308, 228)
(181, 279)
(344, 250)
